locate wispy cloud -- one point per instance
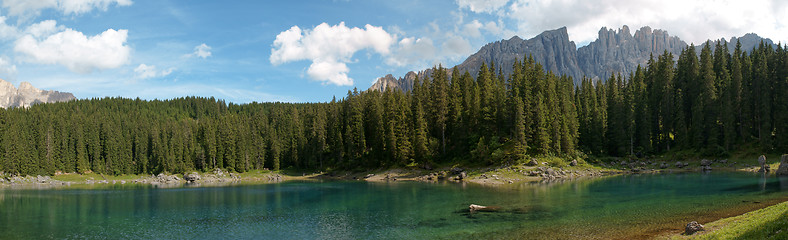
(26, 9)
(201, 51)
(144, 71)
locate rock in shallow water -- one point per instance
(692, 227)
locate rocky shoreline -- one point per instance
(533, 171)
(217, 177)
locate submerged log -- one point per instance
(480, 208)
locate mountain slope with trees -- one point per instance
(712, 104)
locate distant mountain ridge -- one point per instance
(27, 95)
(613, 51)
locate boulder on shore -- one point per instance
(705, 168)
(705, 162)
(573, 163)
(783, 169)
(692, 227)
(761, 160)
(191, 177)
(533, 162)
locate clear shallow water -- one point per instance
(632, 206)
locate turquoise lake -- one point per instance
(625, 207)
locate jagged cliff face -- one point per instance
(27, 95)
(389, 82)
(613, 52)
(621, 52)
(551, 48)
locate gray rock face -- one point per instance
(783, 168)
(762, 163)
(389, 82)
(613, 52)
(27, 95)
(191, 177)
(620, 52)
(551, 48)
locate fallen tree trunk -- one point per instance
(480, 208)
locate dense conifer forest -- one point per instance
(712, 103)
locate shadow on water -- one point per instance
(765, 185)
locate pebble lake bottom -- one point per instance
(617, 207)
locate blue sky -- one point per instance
(308, 51)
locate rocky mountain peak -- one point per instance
(614, 51)
(27, 95)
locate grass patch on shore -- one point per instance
(76, 177)
(766, 223)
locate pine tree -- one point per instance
(727, 96)
(420, 144)
(519, 121)
(440, 103)
(735, 95)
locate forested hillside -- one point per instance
(712, 103)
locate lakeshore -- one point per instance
(506, 178)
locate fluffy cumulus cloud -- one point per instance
(144, 71)
(693, 21)
(44, 28)
(329, 48)
(45, 43)
(480, 6)
(202, 51)
(28, 8)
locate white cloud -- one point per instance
(411, 51)
(456, 47)
(203, 51)
(329, 48)
(84, 6)
(44, 28)
(333, 72)
(28, 8)
(7, 31)
(693, 21)
(70, 48)
(482, 6)
(472, 29)
(144, 71)
(7, 69)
